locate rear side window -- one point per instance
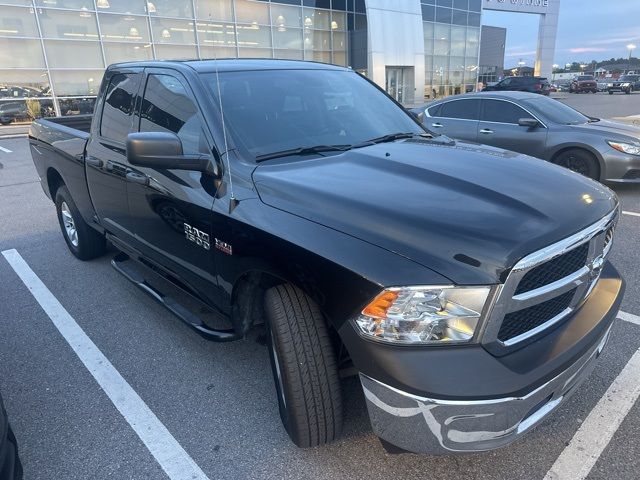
(435, 110)
(167, 107)
(502, 112)
(461, 109)
(115, 123)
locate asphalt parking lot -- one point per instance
(218, 401)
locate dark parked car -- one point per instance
(541, 127)
(583, 83)
(10, 466)
(466, 285)
(626, 83)
(12, 111)
(521, 84)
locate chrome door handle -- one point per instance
(137, 178)
(486, 131)
(437, 125)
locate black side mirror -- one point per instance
(528, 122)
(164, 150)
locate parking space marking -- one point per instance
(578, 458)
(631, 213)
(629, 317)
(173, 459)
(5, 150)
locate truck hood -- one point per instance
(466, 211)
(607, 127)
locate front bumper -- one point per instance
(426, 425)
(620, 167)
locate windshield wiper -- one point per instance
(392, 137)
(303, 151)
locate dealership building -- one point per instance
(53, 52)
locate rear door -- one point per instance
(498, 126)
(170, 210)
(105, 156)
(455, 118)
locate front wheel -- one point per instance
(83, 241)
(629, 90)
(579, 161)
(610, 92)
(304, 367)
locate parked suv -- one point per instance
(522, 84)
(626, 84)
(584, 83)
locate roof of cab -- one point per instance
(234, 64)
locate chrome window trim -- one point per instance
(582, 280)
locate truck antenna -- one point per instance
(233, 202)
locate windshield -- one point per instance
(585, 77)
(555, 111)
(271, 111)
(628, 78)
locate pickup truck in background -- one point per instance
(467, 286)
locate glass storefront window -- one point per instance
(71, 4)
(255, 53)
(126, 52)
(67, 24)
(25, 110)
(214, 10)
(254, 36)
(76, 82)
(340, 58)
(122, 6)
(339, 40)
(176, 52)
(338, 20)
(428, 38)
(458, 40)
(249, 11)
(473, 42)
(287, 38)
(212, 52)
(77, 54)
(24, 84)
(30, 53)
(317, 40)
(288, 54)
(316, 19)
(124, 28)
(171, 8)
(17, 2)
(18, 22)
(283, 16)
(77, 106)
(442, 42)
(173, 30)
(216, 34)
(318, 56)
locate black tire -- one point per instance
(579, 161)
(304, 367)
(610, 92)
(87, 242)
(629, 90)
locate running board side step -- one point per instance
(119, 262)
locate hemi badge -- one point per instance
(224, 247)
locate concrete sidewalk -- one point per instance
(10, 131)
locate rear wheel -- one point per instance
(579, 161)
(610, 92)
(629, 90)
(83, 241)
(304, 367)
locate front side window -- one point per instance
(167, 107)
(502, 112)
(461, 109)
(118, 106)
(271, 111)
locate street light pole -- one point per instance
(631, 47)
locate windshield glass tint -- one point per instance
(586, 77)
(555, 111)
(274, 110)
(628, 78)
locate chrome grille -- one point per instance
(546, 286)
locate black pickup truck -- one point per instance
(467, 286)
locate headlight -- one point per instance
(625, 147)
(609, 84)
(626, 84)
(424, 315)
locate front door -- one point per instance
(499, 127)
(170, 210)
(399, 84)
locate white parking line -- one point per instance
(5, 150)
(631, 213)
(628, 317)
(173, 459)
(578, 458)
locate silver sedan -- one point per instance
(541, 127)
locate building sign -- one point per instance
(525, 6)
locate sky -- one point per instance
(588, 30)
